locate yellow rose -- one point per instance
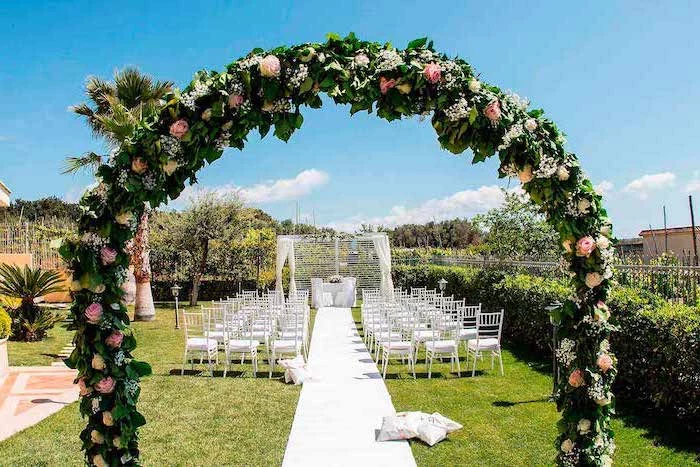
(107, 419)
(404, 88)
(98, 363)
(124, 218)
(96, 437)
(170, 167)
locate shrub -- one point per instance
(658, 344)
(5, 324)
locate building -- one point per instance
(678, 241)
(630, 248)
(4, 195)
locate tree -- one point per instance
(115, 110)
(517, 229)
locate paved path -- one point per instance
(30, 394)
(341, 409)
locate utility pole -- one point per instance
(665, 233)
(692, 226)
(653, 236)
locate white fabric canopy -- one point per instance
(285, 252)
(381, 246)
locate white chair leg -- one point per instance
(500, 361)
(459, 370)
(184, 362)
(474, 367)
(430, 366)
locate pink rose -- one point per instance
(270, 66)
(585, 246)
(235, 101)
(82, 387)
(601, 305)
(576, 378)
(139, 165)
(432, 72)
(386, 84)
(493, 111)
(604, 362)
(93, 313)
(106, 385)
(108, 255)
(593, 280)
(115, 339)
(179, 128)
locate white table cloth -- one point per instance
(343, 293)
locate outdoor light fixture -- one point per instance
(442, 283)
(175, 289)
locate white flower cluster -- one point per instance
(451, 74)
(388, 59)
(249, 62)
(577, 206)
(150, 181)
(458, 111)
(131, 387)
(188, 99)
(515, 101)
(96, 404)
(597, 391)
(425, 55)
(566, 353)
(171, 146)
(513, 133)
(279, 105)
(547, 167)
(298, 76)
(509, 170)
(94, 240)
(122, 178)
(119, 358)
(221, 141)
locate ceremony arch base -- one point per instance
(264, 91)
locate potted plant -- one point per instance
(5, 326)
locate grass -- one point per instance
(237, 420)
(508, 420)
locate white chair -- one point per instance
(197, 340)
(443, 343)
(287, 337)
(393, 343)
(488, 338)
(240, 340)
(468, 316)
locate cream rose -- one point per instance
(530, 124)
(206, 115)
(107, 418)
(603, 402)
(96, 437)
(583, 205)
(568, 245)
(170, 167)
(361, 60)
(124, 218)
(270, 66)
(474, 85)
(603, 242)
(139, 166)
(117, 442)
(593, 280)
(525, 175)
(98, 363)
(605, 230)
(584, 426)
(309, 55)
(567, 446)
(563, 173)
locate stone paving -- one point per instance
(30, 394)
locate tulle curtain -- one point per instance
(381, 246)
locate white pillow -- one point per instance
(431, 433)
(446, 423)
(395, 427)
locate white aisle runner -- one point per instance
(341, 409)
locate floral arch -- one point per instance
(265, 91)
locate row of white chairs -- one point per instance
(397, 328)
(244, 325)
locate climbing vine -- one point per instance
(266, 91)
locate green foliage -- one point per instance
(455, 233)
(45, 209)
(5, 324)
(29, 321)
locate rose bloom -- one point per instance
(583, 205)
(604, 362)
(115, 339)
(170, 167)
(108, 255)
(124, 218)
(139, 165)
(310, 53)
(432, 72)
(605, 230)
(567, 446)
(179, 128)
(107, 418)
(117, 442)
(96, 437)
(493, 111)
(576, 378)
(603, 242)
(93, 313)
(99, 461)
(562, 173)
(601, 305)
(585, 246)
(593, 280)
(235, 101)
(567, 245)
(206, 115)
(270, 66)
(361, 60)
(99, 288)
(386, 84)
(584, 426)
(82, 387)
(530, 124)
(98, 363)
(602, 402)
(404, 88)
(526, 175)
(106, 385)
(474, 85)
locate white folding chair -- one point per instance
(197, 340)
(488, 338)
(240, 340)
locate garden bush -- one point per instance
(5, 324)
(658, 343)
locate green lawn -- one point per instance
(507, 420)
(239, 420)
(244, 420)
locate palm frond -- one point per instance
(90, 160)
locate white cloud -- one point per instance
(694, 184)
(269, 191)
(604, 187)
(4, 138)
(648, 183)
(461, 204)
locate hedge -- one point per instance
(658, 343)
(208, 289)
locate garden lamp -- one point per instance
(175, 289)
(442, 283)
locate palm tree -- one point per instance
(29, 321)
(116, 109)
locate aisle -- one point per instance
(339, 412)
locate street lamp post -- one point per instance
(175, 289)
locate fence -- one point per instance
(34, 239)
(676, 283)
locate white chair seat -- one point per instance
(467, 334)
(441, 346)
(239, 345)
(490, 343)
(218, 335)
(422, 335)
(401, 346)
(287, 345)
(201, 343)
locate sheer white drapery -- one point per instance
(381, 246)
(285, 252)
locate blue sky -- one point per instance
(620, 78)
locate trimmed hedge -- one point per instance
(208, 289)
(658, 344)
